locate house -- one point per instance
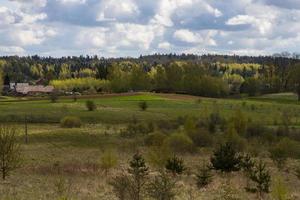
(25, 89)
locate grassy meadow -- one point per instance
(63, 163)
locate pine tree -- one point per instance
(175, 165)
(138, 171)
(247, 164)
(204, 176)
(162, 187)
(261, 177)
(120, 186)
(226, 158)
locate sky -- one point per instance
(120, 28)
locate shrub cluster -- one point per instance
(70, 122)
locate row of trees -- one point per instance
(200, 75)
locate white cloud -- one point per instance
(133, 27)
(136, 35)
(6, 16)
(264, 26)
(164, 45)
(120, 35)
(11, 50)
(91, 37)
(185, 35)
(27, 19)
(72, 1)
(36, 3)
(201, 38)
(184, 9)
(109, 10)
(28, 35)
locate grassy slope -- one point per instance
(78, 151)
(121, 109)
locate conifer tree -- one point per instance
(226, 158)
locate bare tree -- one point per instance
(9, 150)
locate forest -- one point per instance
(206, 75)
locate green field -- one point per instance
(122, 109)
(77, 152)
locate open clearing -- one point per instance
(77, 152)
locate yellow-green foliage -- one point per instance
(70, 122)
(109, 160)
(81, 84)
(237, 66)
(280, 190)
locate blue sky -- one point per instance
(132, 27)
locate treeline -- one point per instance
(207, 75)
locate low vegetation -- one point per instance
(177, 149)
(70, 122)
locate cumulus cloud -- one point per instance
(114, 9)
(31, 35)
(36, 3)
(120, 35)
(263, 25)
(6, 16)
(11, 50)
(182, 10)
(164, 45)
(204, 38)
(134, 27)
(187, 36)
(72, 1)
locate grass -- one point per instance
(283, 98)
(122, 109)
(77, 152)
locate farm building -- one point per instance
(25, 88)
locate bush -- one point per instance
(158, 156)
(179, 142)
(203, 176)
(279, 190)
(143, 105)
(120, 186)
(201, 138)
(214, 120)
(54, 96)
(10, 152)
(284, 149)
(135, 129)
(162, 187)
(155, 139)
(231, 136)
(279, 155)
(70, 122)
(175, 165)
(255, 129)
(239, 122)
(90, 105)
(108, 161)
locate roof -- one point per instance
(25, 88)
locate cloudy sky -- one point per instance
(133, 27)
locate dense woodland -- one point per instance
(207, 75)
